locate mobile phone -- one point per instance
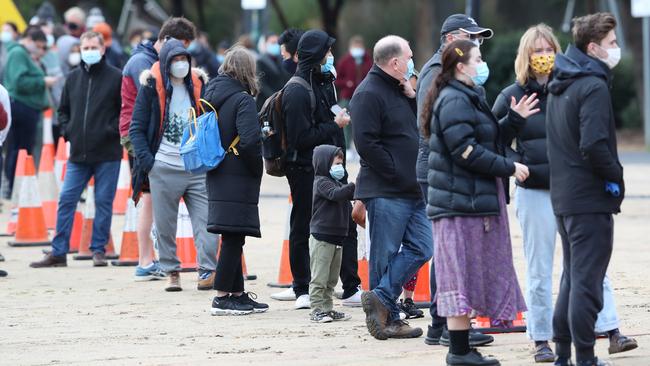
(336, 109)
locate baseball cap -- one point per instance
(466, 24)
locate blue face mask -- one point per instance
(194, 46)
(482, 74)
(410, 69)
(273, 49)
(6, 37)
(91, 57)
(337, 171)
(220, 58)
(329, 65)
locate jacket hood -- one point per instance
(575, 64)
(169, 50)
(312, 48)
(223, 87)
(146, 48)
(323, 158)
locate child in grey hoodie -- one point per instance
(329, 226)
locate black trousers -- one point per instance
(229, 276)
(22, 135)
(587, 242)
(301, 182)
(436, 320)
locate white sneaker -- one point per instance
(286, 295)
(353, 301)
(302, 302)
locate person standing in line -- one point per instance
(88, 114)
(269, 67)
(467, 204)
(586, 179)
(288, 41)
(385, 135)
(168, 93)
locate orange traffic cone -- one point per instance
(285, 278)
(18, 177)
(87, 228)
(185, 248)
(129, 253)
(123, 186)
(248, 277)
(30, 227)
(60, 161)
(486, 325)
(422, 293)
(48, 185)
(362, 271)
(77, 227)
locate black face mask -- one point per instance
(289, 66)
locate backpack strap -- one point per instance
(306, 85)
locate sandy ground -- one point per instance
(81, 315)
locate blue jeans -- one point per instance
(395, 223)
(76, 178)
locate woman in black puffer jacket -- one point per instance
(473, 261)
(234, 186)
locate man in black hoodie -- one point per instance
(586, 179)
(306, 110)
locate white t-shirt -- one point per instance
(178, 118)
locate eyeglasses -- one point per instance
(468, 36)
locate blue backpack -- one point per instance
(201, 148)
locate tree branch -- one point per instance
(280, 13)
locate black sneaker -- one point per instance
(563, 361)
(473, 358)
(227, 306)
(476, 338)
(338, 316)
(248, 298)
(434, 334)
(3, 273)
(594, 362)
(408, 307)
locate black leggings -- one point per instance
(229, 276)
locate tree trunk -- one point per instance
(201, 13)
(633, 37)
(280, 13)
(425, 34)
(177, 8)
(330, 16)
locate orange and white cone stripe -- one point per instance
(46, 176)
(129, 253)
(60, 161)
(18, 177)
(123, 186)
(185, 248)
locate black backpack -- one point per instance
(274, 134)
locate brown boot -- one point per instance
(619, 343)
(50, 261)
(99, 259)
(207, 283)
(174, 282)
(401, 329)
(376, 314)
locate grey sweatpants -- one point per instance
(168, 184)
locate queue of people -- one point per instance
(436, 163)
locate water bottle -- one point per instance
(267, 130)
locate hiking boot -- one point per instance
(473, 358)
(50, 261)
(248, 298)
(338, 316)
(401, 329)
(206, 280)
(99, 259)
(544, 353)
(318, 316)
(376, 314)
(174, 282)
(407, 306)
(228, 306)
(619, 343)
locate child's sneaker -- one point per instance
(248, 298)
(338, 316)
(408, 307)
(151, 272)
(318, 316)
(228, 306)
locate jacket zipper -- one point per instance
(90, 83)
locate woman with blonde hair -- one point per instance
(234, 186)
(533, 68)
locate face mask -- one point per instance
(91, 57)
(329, 65)
(542, 64)
(179, 69)
(476, 42)
(74, 59)
(482, 74)
(6, 36)
(613, 56)
(357, 52)
(410, 68)
(337, 171)
(289, 65)
(273, 49)
(220, 58)
(194, 46)
(50, 40)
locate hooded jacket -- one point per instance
(581, 137)
(331, 198)
(151, 107)
(428, 75)
(234, 186)
(307, 129)
(142, 59)
(272, 77)
(23, 78)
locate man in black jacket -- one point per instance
(309, 123)
(586, 179)
(89, 114)
(272, 76)
(386, 136)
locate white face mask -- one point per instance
(74, 58)
(179, 69)
(613, 56)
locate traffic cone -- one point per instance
(60, 160)
(18, 177)
(77, 227)
(422, 293)
(48, 185)
(87, 228)
(123, 186)
(244, 269)
(30, 227)
(185, 248)
(486, 325)
(129, 253)
(362, 271)
(285, 278)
